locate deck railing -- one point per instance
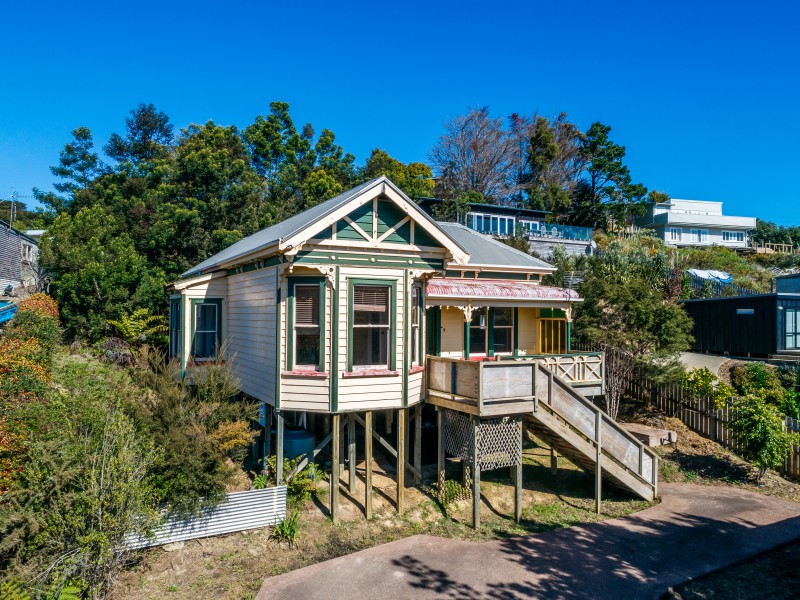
(507, 384)
(482, 387)
(576, 368)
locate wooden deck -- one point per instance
(506, 386)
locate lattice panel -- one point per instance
(499, 440)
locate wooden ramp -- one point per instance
(585, 434)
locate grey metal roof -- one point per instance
(484, 250)
(284, 229)
(295, 224)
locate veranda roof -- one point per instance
(440, 291)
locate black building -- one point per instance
(763, 325)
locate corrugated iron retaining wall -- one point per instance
(240, 511)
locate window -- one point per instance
(699, 236)
(206, 325)
(792, 328)
(175, 327)
(307, 326)
(371, 322)
(675, 234)
(416, 319)
(503, 331)
(477, 332)
(733, 236)
(491, 331)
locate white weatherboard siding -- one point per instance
(307, 393)
(452, 332)
(713, 236)
(371, 393)
(528, 331)
(251, 331)
(416, 393)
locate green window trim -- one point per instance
(175, 325)
(290, 333)
(392, 285)
(416, 291)
(489, 350)
(194, 304)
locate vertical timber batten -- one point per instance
(335, 469)
(406, 335)
(278, 346)
(334, 400)
(368, 464)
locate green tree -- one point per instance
(78, 166)
(148, 137)
(96, 272)
(415, 179)
(606, 194)
(628, 319)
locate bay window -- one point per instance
(371, 325)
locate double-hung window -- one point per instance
(175, 328)
(503, 331)
(308, 301)
(478, 332)
(416, 319)
(206, 325)
(675, 234)
(491, 331)
(372, 327)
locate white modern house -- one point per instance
(696, 223)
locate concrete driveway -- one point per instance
(693, 531)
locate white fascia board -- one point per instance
(197, 280)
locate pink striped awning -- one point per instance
(497, 289)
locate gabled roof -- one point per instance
(310, 222)
(485, 251)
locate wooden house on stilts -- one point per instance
(350, 315)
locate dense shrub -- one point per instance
(40, 303)
(201, 425)
(761, 433)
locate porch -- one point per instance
(508, 385)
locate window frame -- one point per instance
(416, 345)
(196, 302)
(489, 329)
(675, 234)
(392, 340)
(291, 329)
(176, 343)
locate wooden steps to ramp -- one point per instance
(585, 434)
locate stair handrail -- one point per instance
(604, 415)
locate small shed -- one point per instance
(763, 325)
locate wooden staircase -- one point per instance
(585, 434)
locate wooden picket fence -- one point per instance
(702, 416)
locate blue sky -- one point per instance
(704, 95)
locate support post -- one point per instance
(401, 461)
(279, 443)
(476, 475)
(335, 470)
(267, 433)
(351, 453)
(553, 461)
(598, 469)
(389, 419)
(440, 465)
(368, 464)
(518, 492)
(418, 443)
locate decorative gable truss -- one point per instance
(381, 219)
